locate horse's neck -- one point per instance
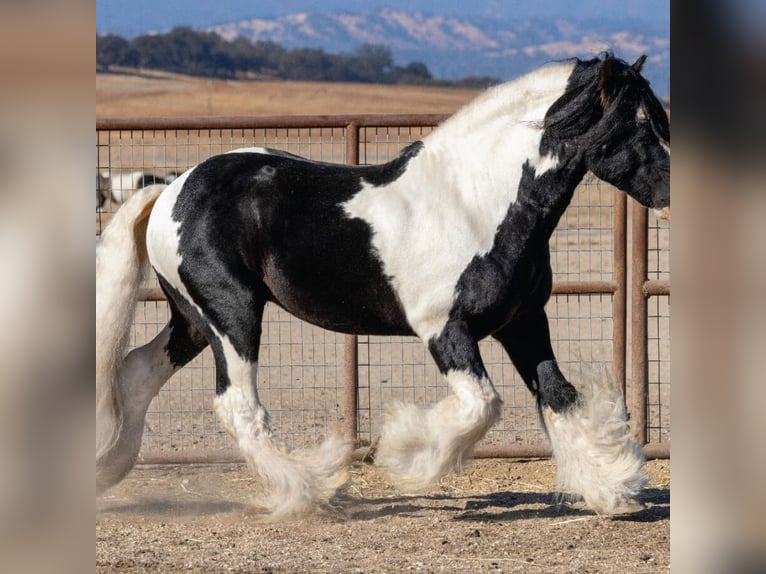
(487, 156)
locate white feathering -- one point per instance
(595, 453)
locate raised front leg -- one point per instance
(595, 453)
(419, 446)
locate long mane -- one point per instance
(518, 100)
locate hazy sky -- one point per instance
(132, 17)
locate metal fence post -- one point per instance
(350, 342)
(620, 300)
(638, 322)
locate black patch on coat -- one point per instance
(516, 273)
(455, 348)
(186, 340)
(554, 390)
(527, 341)
(257, 227)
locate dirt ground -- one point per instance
(497, 516)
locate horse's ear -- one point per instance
(638, 64)
(608, 79)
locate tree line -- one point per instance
(207, 54)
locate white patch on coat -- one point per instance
(162, 237)
(446, 207)
(546, 163)
(262, 150)
(641, 117)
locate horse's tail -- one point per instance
(121, 260)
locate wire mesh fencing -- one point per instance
(658, 335)
(301, 367)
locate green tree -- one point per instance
(187, 51)
(268, 56)
(153, 51)
(372, 63)
(306, 64)
(414, 73)
(112, 50)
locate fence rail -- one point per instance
(586, 272)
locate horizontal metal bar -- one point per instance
(651, 451)
(201, 456)
(654, 287)
(560, 288)
(190, 456)
(513, 451)
(268, 122)
(584, 287)
(657, 450)
(151, 294)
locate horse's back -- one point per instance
(271, 225)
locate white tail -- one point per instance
(120, 262)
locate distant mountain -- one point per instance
(455, 47)
(135, 17)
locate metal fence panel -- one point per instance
(301, 368)
(658, 335)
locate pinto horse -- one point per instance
(448, 242)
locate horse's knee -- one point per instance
(554, 390)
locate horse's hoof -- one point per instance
(625, 506)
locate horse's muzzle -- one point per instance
(661, 201)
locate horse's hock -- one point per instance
(609, 315)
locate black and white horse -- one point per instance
(448, 241)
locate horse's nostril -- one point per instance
(661, 200)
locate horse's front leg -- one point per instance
(595, 453)
(419, 446)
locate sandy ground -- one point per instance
(498, 516)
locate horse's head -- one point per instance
(629, 146)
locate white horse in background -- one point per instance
(119, 187)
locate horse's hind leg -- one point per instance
(297, 481)
(138, 380)
(595, 454)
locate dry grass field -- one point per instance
(498, 516)
(152, 94)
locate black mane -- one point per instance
(592, 86)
